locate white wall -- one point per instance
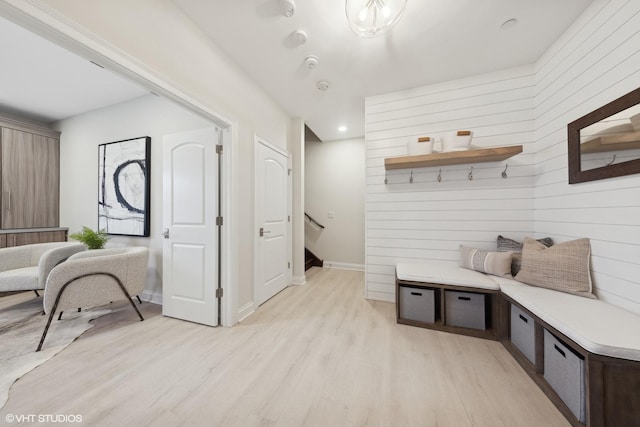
(145, 116)
(157, 36)
(596, 61)
(428, 220)
(335, 182)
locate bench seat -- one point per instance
(445, 275)
(597, 326)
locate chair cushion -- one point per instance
(19, 279)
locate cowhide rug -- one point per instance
(21, 326)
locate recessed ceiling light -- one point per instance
(509, 23)
(342, 128)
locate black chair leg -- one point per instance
(37, 294)
(60, 315)
(46, 329)
(64, 287)
(139, 300)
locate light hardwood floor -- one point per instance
(314, 355)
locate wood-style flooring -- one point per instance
(314, 355)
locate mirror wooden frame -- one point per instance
(576, 174)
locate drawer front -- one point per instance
(564, 371)
(523, 333)
(417, 304)
(465, 309)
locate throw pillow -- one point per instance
(505, 245)
(563, 267)
(496, 263)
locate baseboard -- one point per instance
(152, 297)
(298, 280)
(246, 310)
(344, 266)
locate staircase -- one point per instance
(310, 260)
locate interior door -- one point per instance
(273, 268)
(190, 198)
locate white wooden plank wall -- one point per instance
(596, 61)
(428, 220)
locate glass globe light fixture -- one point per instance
(372, 18)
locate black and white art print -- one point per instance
(124, 187)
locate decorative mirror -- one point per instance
(606, 142)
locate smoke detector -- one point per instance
(287, 7)
(311, 62)
(300, 37)
(323, 85)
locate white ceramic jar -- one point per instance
(458, 141)
(422, 145)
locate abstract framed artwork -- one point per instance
(124, 194)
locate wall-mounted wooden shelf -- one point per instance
(475, 155)
(625, 141)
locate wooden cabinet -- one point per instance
(29, 184)
(28, 237)
(30, 162)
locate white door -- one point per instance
(273, 272)
(190, 197)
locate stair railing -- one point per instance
(313, 221)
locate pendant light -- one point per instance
(372, 18)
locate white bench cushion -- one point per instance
(598, 327)
(445, 275)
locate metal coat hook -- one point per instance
(471, 174)
(440, 175)
(411, 178)
(504, 172)
(612, 160)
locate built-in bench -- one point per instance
(583, 353)
(450, 299)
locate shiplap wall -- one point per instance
(428, 220)
(596, 61)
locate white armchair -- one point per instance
(95, 278)
(25, 268)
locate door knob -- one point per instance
(165, 233)
(263, 232)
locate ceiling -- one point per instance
(41, 81)
(436, 40)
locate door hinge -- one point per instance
(289, 218)
(219, 221)
(219, 149)
(289, 172)
(219, 293)
(288, 265)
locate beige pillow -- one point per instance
(563, 267)
(496, 263)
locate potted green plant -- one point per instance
(93, 239)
